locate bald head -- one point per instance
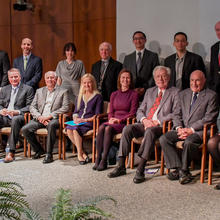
(197, 81)
(217, 29)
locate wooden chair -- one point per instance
(7, 131)
(203, 148)
(42, 132)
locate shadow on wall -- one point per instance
(199, 48)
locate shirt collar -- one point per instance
(142, 52)
(177, 57)
(28, 56)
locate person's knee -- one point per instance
(163, 140)
(25, 130)
(53, 125)
(212, 144)
(17, 120)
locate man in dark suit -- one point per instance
(15, 100)
(198, 106)
(183, 62)
(214, 75)
(30, 66)
(106, 71)
(49, 101)
(141, 64)
(4, 67)
(160, 104)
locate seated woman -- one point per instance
(123, 104)
(89, 103)
(214, 148)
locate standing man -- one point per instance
(160, 104)
(182, 63)
(106, 71)
(48, 103)
(4, 67)
(30, 66)
(214, 75)
(141, 64)
(198, 106)
(15, 100)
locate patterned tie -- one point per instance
(155, 106)
(102, 74)
(138, 62)
(25, 63)
(193, 100)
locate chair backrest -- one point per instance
(106, 107)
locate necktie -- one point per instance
(102, 73)
(25, 63)
(138, 62)
(193, 100)
(155, 106)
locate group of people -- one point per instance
(176, 91)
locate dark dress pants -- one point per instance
(137, 130)
(29, 129)
(190, 149)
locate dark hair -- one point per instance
(119, 76)
(69, 46)
(139, 32)
(181, 33)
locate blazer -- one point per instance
(143, 79)
(192, 62)
(4, 67)
(168, 108)
(23, 99)
(60, 102)
(204, 110)
(110, 78)
(33, 73)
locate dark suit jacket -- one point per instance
(4, 67)
(33, 73)
(214, 76)
(169, 105)
(143, 79)
(23, 99)
(192, 62)
(110, 78)
(205, 110)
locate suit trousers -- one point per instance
(190, 149)
(16, 124)
(29, 129)
(137, 130)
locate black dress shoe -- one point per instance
(37, 155)
(139, 177)
(82, 162)
(48, 159)
(118, 171)
(217, 187)
(173, 175)
(185, 177)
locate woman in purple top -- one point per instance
(89, 103)
(123, 104)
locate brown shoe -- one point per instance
(9, 158)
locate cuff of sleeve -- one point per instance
(142, 119)
(178, 128)
(193, 130)
(75, 115)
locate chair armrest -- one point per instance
(130, 120)
(206, 128)
(167, 125)
(99, 117)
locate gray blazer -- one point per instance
(60, 103)
(168, 107)
(205, 110)
(23, 99)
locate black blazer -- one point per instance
(143, 79)
(4, 67)
(110, 78)
(192, 62)
(33, 73)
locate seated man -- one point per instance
(48, 103)
(198, 106)
(15, 100)
(160, 103)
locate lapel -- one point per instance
(19, 93)
(43, 98)
(133, 63)
(110, 64)
(186, 103)
(54, 96)
(152, 99)
(164, 98)
(29, 62)
(186, 62)
(144, 59)
(8, 94)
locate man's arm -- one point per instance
(6, 67)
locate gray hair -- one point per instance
(106, 43)
(51, 72)
(14, 70)
(167, 69)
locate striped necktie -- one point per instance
(25, 62)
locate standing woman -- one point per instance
(89, 103)
(69, 71)
(123, 104)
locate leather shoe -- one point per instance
(217, 187)
(173, 175)
(37, 155)
(185, 177)
(82, 162)
(9, 158)
(118, 171)
(48, 158)
(139, 177)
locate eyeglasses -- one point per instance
(139, 38)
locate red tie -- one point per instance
(219, 59)
(155, 106)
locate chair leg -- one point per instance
(93, 151)
(192, 165)
(126, 161)
(60, 146)
(64, 147)
(25, 147)
(132, 155)
(202, 176)
(210, 170)
(156, 153)
(162, 164)
(29, 150)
